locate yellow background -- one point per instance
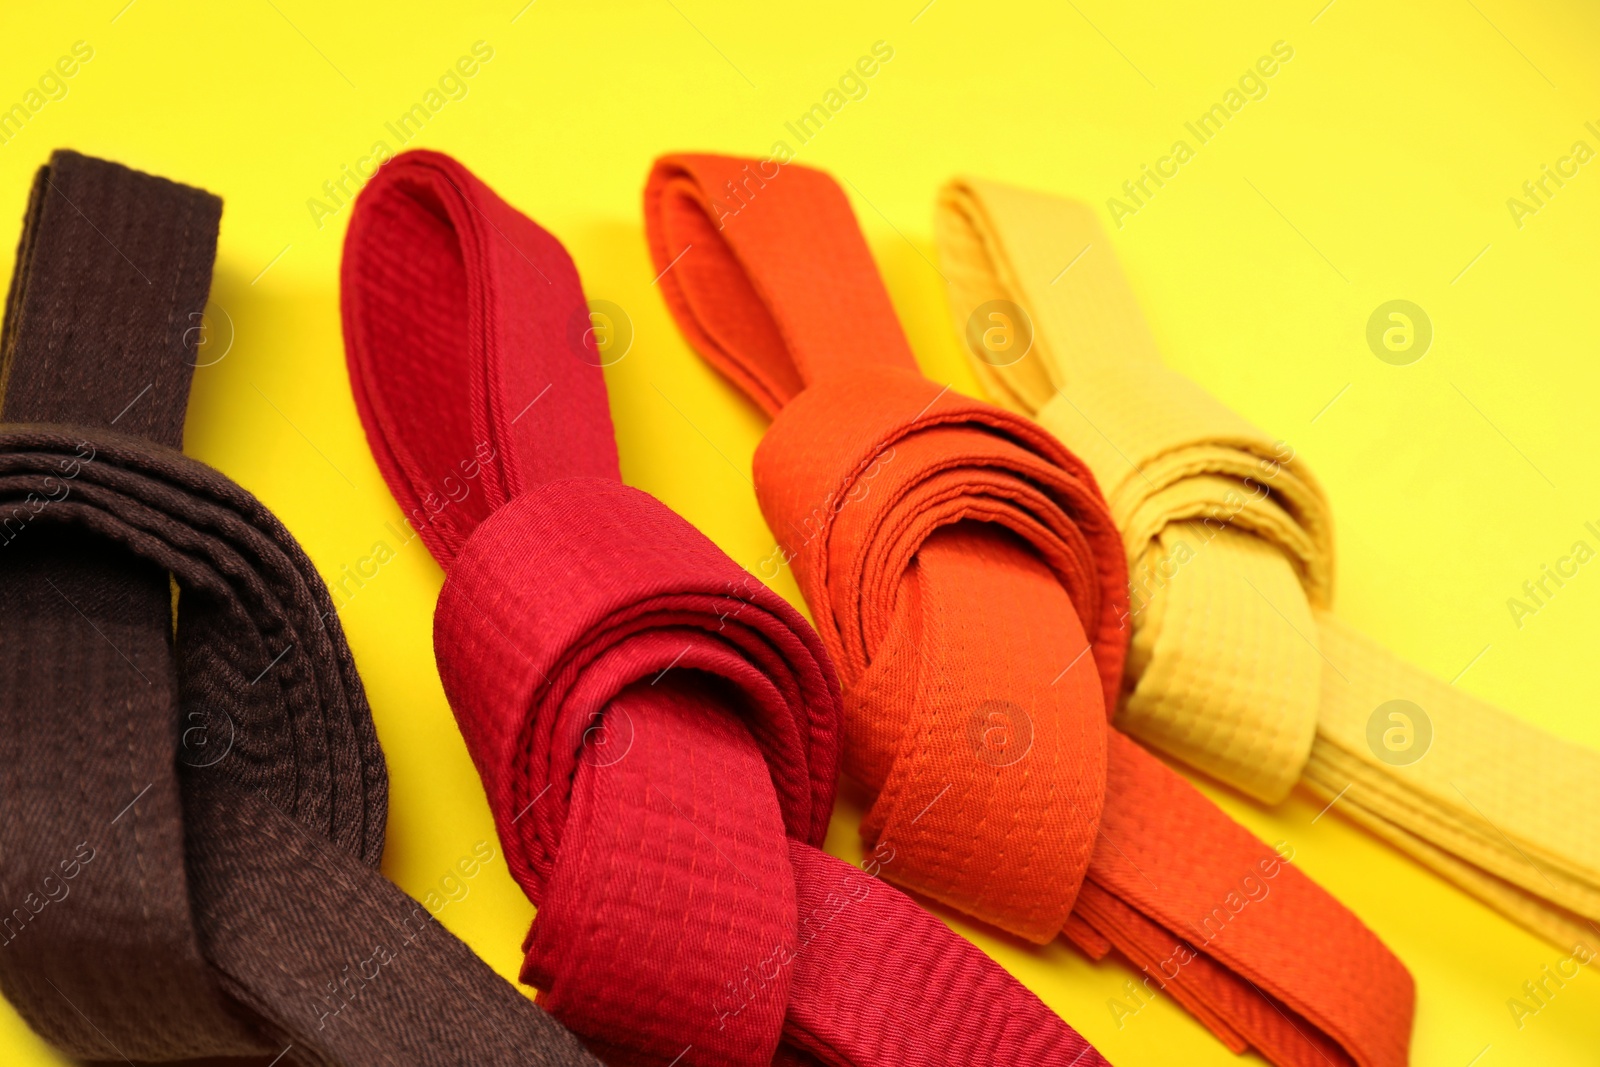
(1378, 167)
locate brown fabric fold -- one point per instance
(191, 815)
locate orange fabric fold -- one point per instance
(966, 576)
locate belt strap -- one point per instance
(657, 732)
(966, 574)
(1229, 537)
(192, 815)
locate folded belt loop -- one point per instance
(657, 732)
(969, 578)
(191, 818)
(1228, 534)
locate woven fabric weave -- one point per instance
(1240, 667)
(968, 577)
(191, 811)
(657, 732)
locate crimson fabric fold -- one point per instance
(192, 793)
(966, 575)
(657, 732)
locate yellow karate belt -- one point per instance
(1237, 665)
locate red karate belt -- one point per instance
(657, 732)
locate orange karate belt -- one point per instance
(967, 578)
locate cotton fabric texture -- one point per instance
(191, 808)
(657, 732)
(967, 575)
(1239, 665)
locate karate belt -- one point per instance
(191, 808)
(1239, 666)
(966, 575)
(657, 732)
